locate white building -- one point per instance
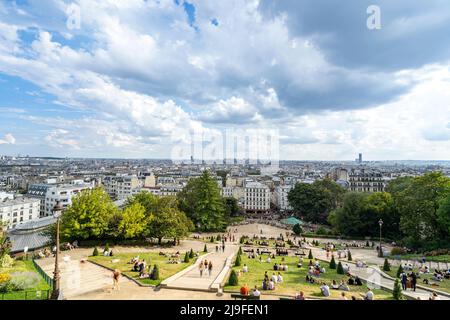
(20, 210)
(64, 194)
(281, 198)
(6, 196)
(257, 197)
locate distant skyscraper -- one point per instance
(360, 158)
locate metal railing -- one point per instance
(26, 295)
(47, 278)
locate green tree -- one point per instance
(186, 257)
(386, 265)
(169, 222)
(202, 203)
(232, 208)
(205, 248)
(418, 205)
(5, 243)
(397, 291)
(340, 268)
(237, 262)
(332, 263)
(95, 252)
(88, 216)
(233, 279)
(349, 256)
(399, 271)
(297, 229)
(155, 273)
(133, 222)
(191, 254)
(443, 216)
(240, 251)
(315, 201)
(310, 255)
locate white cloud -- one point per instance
(8, 139)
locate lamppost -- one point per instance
(380, 254)
(57, 210)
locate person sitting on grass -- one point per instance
(268, 259)
(334, 285)
(245, 290)
(265, 284)
(275, 266)
(271, 285)
(256, 292)
(325, 289)
(369, 295)
(343, 297)
(300, 296)
(279, 278)
(358, 281)
(274, 277)
(343, 286)
(351, 281)
(245, 268)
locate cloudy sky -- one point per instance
(116, 78)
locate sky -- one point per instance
(135, 78)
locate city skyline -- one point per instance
(93, 79)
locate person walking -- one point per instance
(210, 267)
(403, 280)
(413, 280)
(116, 277)
(201, 267)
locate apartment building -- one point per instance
(257, 197)
(64, 194)
(365, 181)
(19, 210)
(280, 197)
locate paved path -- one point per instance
(192, 279)
(373, 274)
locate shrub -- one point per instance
(191, 254)
(155, 273)
(186, 257)
(6, 287)
(212, 239)
(310, 255)
(218, 237)
(95, 252)
(4, 277)
(332, 263)
(106, 247)
(6, 261)
(399, 271)
(237, 262)
(322, 231)
(349, 256)
(397, 292)
(24, 280)
(233, 279)
(205, 249)
(242, 240)
(397, 251)
(239, 251)
(340, 268)
(386, 265)
(297, 229)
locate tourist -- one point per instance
(256, 292)
(271, 285)
(343, 297)
(343, 286)
(434, 296)
(325, 289)
(279, 278)
(369, 295)
(265, 284)
(116, 277)
(358, 281)
(245, 268)
(274, 277)
(201, 267)
(334, 285)
(413, 281)
(210, 267)
(245, 290)
(268, 259)
(404, 280)
(300, 296)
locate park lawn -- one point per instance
(38, 292)
(445, 258)
(166, 269)
(294, 279)
(442, 285)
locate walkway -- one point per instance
(192, 279)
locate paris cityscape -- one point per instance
(240, 151)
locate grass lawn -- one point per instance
(166, 270)
(442, 258)
(441, 285)
(35, 293)
(294, 279)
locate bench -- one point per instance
(242, 297)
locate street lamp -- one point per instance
(57, 211)
(381, 250)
